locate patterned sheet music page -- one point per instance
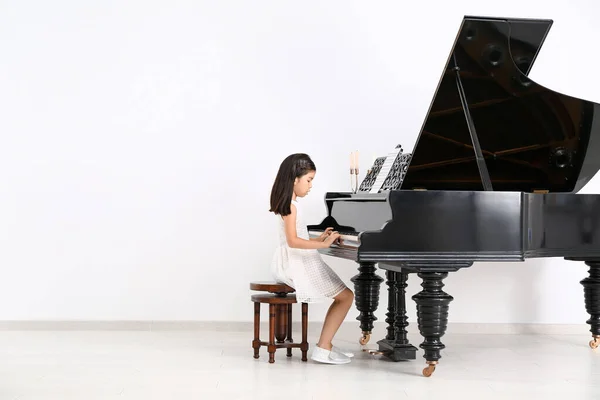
(385, 169)
(369, 179)
(397, 173)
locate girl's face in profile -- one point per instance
(303, 184)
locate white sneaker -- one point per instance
(344, 352)
(328, 357)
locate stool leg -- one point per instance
(304, 344)
(271, 347)
(280, 322)
(256, 341)
(289, 329)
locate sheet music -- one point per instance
(385, 169)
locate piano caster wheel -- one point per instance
(365, 338)
(595, 342)
(428, 370)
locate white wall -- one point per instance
(129, 189)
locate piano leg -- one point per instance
(432, 314)
(366, 297)
(396, 346)
(591, 290)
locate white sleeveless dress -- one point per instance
(304, 269)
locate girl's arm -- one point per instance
(298, 243)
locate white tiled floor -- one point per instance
(180, 364)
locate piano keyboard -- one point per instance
(348, 240)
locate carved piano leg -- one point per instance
(366, 297)
(591, 290)
(432, 312)
(396, 346)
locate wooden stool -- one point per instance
(280, 303)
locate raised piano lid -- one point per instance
(532, 138)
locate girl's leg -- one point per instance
(334, 318)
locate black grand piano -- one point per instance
(493, 177)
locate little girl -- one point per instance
(297, 262)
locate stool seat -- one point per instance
(280, 303)
(273, 299)
(271, 287)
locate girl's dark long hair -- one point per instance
(294, 166)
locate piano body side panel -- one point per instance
(562, 225)
(448, 226)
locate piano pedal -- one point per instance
(373, 352)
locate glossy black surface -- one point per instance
(561, 225)
(471, 226)
(531, 137)
(448, 225)
(494, 226)
(354, 213)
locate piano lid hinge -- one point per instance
(541, 191)
(418, 189)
